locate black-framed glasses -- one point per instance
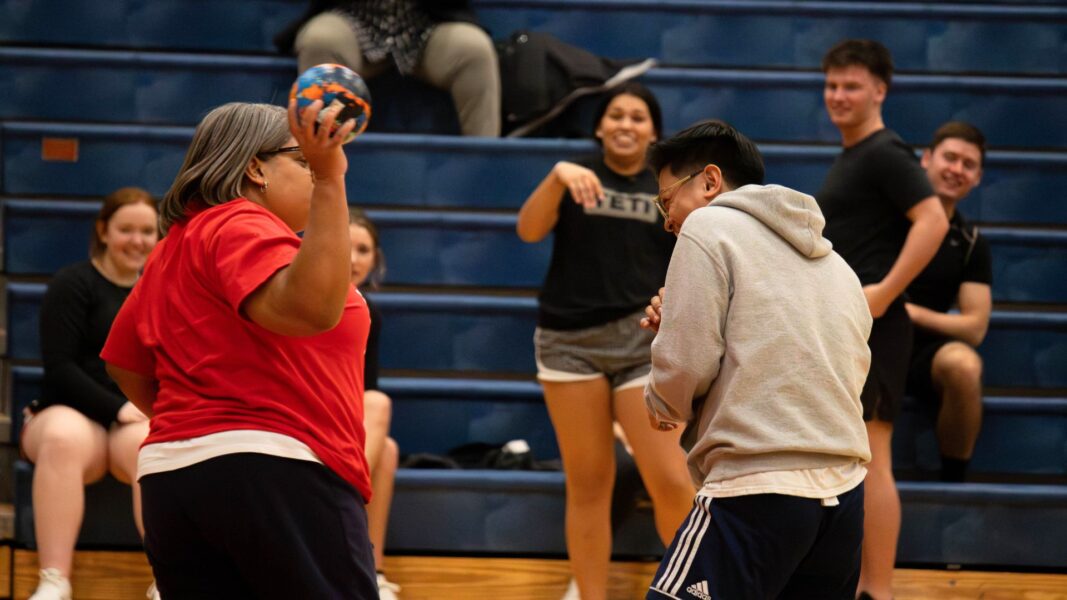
(658, 200)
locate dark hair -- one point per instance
(360, 218)
(959, 130)
(634, 89)
(865, 53)
(710, 142)
(112, 203)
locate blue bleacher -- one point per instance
(479, 249)
(936, 37)
(436, 332)
(517, 512)
(128, 78)
(442, 171)
(178, 89)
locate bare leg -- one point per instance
(124, 441)
(582, 417)
(881, 523)
(383, 477)
(661, 461)
(68, 451)
(957, 371)
(377, 416)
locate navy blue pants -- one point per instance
(764, 546)
(257, 526)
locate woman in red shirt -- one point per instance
(244, 343)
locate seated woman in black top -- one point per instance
(609, 256)
(383, 455)
(82, 427)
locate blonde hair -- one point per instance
(222, 146)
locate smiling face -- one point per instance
(853, 96)
(364, 253)
(682, 195)
(954, 168)
(128, 236)
(626, 130)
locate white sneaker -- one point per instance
(572, 591)
(52, 586)
(152, 593)
(387, 590)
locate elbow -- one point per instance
(319, 320)
(527, 234)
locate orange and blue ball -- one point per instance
(341, 89)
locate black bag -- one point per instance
(550, 88)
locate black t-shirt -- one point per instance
(963, 256)
(865, 199)
(607, 261)
(370, 360)
(76, 316)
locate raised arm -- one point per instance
(540, 212)
(308, 296)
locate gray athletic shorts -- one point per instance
(619, 350)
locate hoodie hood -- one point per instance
(794, 216)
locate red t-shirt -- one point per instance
(218, 370)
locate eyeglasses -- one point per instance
(658, 200)
(279, 151)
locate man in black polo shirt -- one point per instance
(884, 219)
(944, 364)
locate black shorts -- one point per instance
(890, 343)
(920, 372)
(256, 526)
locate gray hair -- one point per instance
(223, 144)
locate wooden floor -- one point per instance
(125, 576)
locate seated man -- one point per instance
(944, 365)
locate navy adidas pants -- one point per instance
(764, 546)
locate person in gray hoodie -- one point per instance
(761, 350)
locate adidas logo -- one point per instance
(700, 590)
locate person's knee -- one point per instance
(470, 47)
(377, 410)
(958, 366)
(325, 34)
(66, 434)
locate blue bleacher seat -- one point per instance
(442, 171)
(937, 37)
(178, 89)
(464, 411)
(481, 249)
(224, 25)
(923, 37)
(509, 512)
(1019, 436)
(437, 332)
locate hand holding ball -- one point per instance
(341, 90)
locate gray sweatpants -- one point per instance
(459, 58)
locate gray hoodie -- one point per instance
(763, 339)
